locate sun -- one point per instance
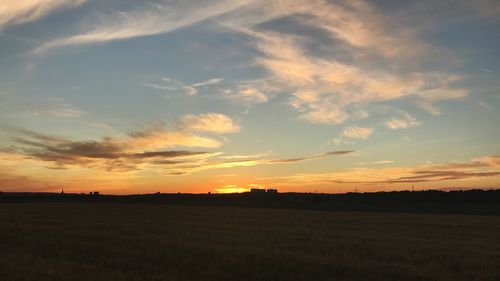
(231, 189)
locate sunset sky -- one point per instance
(126, 96)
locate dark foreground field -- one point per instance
(119, 241)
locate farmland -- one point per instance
(131, 241)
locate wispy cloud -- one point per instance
(322, 155)
(403, 122)
(209, 122)
(246, 156)
(101, 125)
(245, 95)
(107, 153)
(430, 176)
(430, 97)
(18, 12)
(170, 84)
(373, 60)
(220, 162)
(340, 141)
(327, 89)
(162, 17)
(64, 110)
(244, 92)
(51, 107)
(153, 144)
(159, 136)
(383, 162)
(486, 167)
(153, 148)
(483, 162)
(356, 132)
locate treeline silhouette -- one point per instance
(479, 202)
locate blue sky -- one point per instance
(145, 96)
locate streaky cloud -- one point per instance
(23, 11)
(209, 122)
(322, 155)
(485, 167)
(164, 17)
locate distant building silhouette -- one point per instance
(262, 191)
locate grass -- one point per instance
(113, 241)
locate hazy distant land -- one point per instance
(481, 202)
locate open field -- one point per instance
(120, 241)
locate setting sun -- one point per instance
(231, 189)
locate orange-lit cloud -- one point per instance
(246, 95)
(486, 167)
(220, 162)
(150, 149)
(322, 155)
(209, 122)
(403, 122)
(356, 132)
(157, 137)
(326, 90)
(329, 90)
(110, 153)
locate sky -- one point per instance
(124, 96)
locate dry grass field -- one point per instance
(118, 241)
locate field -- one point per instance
(120, 241)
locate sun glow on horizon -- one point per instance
(231, 188)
